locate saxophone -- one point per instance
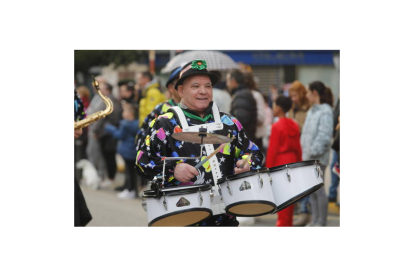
(97, 115)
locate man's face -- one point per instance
(174, 93)
(123, 92)
(230, 82)
(104, 89)
(196, 92)
(142, 80)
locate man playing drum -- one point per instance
(196, 110)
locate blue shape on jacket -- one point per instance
(126, 136)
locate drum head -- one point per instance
(251, 208)
(179, 190)
(237, 176)
(182, 218)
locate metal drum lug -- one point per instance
(288, 173)
(165, 203)
(144, 205)
(260, 181)
(201, 197)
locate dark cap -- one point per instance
(195, 67)
(174, 75)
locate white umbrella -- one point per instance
(215, 60)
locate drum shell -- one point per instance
(303, 181)
(217, 205)
(256, 193)
(156, 210)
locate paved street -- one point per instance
(108, 210)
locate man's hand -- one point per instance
(239, 163)
(184, 172)
(78, 133)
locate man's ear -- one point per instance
(180, 90)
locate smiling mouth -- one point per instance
(203, 99)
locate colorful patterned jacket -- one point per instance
(159, 143)
(144, 129)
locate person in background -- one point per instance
(221, 97)
(243, 104)
(300, 106)
(284, 148)
(106, 142)
(93, 148)
(125, 134)
(260, 105)
(126, 92)
(316, 141)
(273, 93)
(84, 94)
(151, 94)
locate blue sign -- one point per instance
(282, 57)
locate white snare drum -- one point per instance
(217, 204)
(178, 206)
(247, 194)
(293, 181)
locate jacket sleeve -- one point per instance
(272, 148)
(149, 161)
(321, 143)
(245, 146)
(144, 128)
(119, 133)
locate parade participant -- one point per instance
(82, 214)
(196, 108)
(151, 95)
(159, 110)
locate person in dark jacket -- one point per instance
(243, 105)
(82, 214)
(125, 134)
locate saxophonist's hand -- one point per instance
(78, 133)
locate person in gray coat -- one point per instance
(316, 141)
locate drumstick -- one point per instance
(211, 155)
(245, 161)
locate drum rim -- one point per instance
(293, 165)
(181, 212)
(240, 175)
(178, 190)
(248, 202)
(298, 197)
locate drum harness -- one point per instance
(217, 125)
